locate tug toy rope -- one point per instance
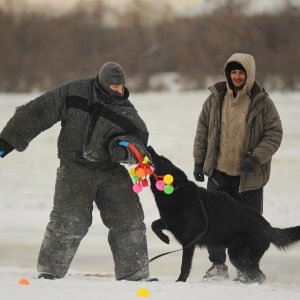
(143, 169)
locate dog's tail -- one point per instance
(285, 238)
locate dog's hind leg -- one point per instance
(186, 263)
(245, 255)
(158, 226)
(251, 276)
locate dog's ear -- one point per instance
(151, 150)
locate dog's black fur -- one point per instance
(241, 229)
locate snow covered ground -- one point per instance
(26, 191)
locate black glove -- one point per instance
(118, 153)
(249, 164)
(5, 147)
(198, 172)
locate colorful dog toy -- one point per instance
(144, 169)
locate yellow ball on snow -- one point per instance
(143, 292)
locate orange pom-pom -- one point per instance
(140, 172)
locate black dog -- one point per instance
(214, 219)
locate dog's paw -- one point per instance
(164, 238)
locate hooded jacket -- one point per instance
(92, 122)
(230, 128)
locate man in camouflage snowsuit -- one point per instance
(95, 114)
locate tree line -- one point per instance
(39, 51)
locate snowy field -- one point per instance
(27, 185)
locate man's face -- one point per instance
(238, 78)
(117, 88)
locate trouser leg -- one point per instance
(218, 182)
(217, 254)
(69, 221)
(252, 198)
(122, 213)
(230, 184)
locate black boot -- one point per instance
(49, 276)
(148, 279)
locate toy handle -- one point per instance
(134, 150)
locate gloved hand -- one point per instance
(118, 153)
(5, 147)
(198, 172)
(249, 164)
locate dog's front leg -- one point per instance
(186, 263)
(158, 226)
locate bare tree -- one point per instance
(40, 51)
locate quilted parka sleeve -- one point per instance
(202, 132)
(34, 117)
(139, 140)
(272, 133)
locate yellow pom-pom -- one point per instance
(146, 160)
(168, 179)
(132, 172)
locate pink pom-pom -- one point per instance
(137, 188)
(160, 185)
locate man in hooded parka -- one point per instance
(238, 132)
(95, 114)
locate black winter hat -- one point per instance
(235, 66)
(111, 73)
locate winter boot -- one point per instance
(148, 279)
(218, 271)
(47, 276)
(257, 277)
